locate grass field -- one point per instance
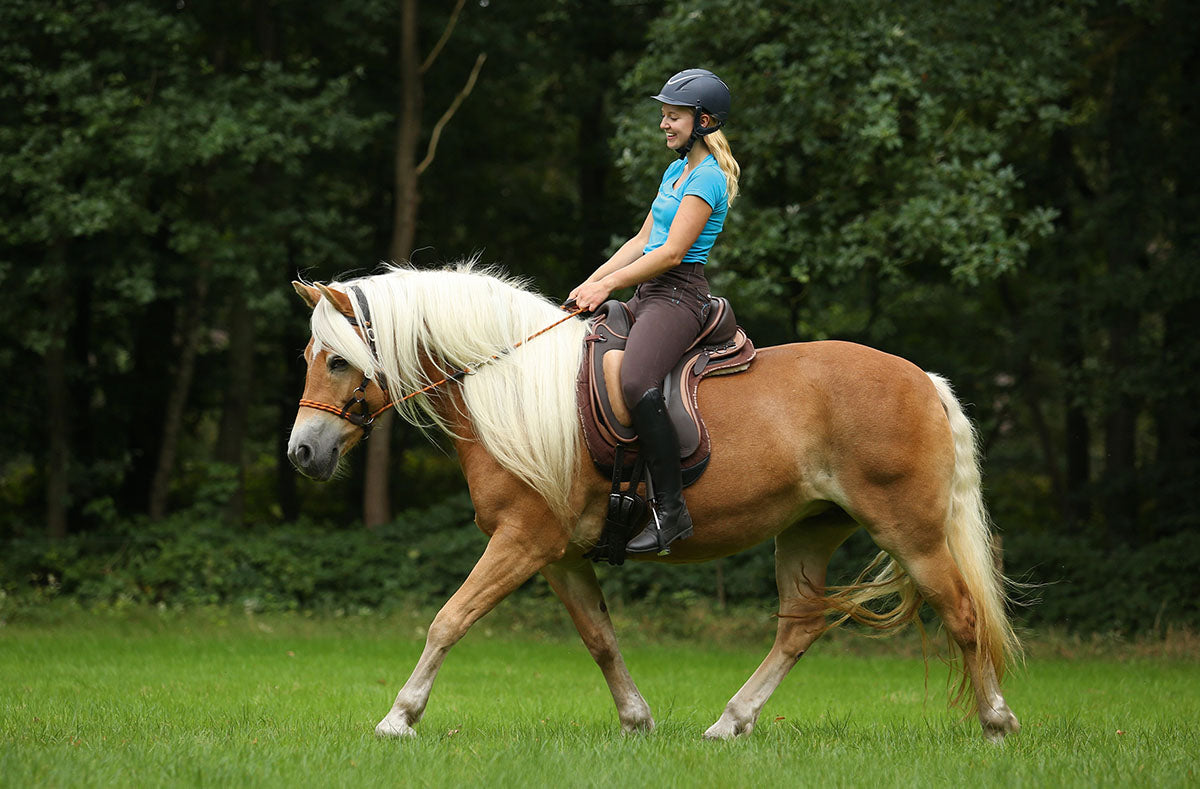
(216, 698)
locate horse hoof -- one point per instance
(999, 724)
(390, 728)
(726, 729)
(638, 727)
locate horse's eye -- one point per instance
(338, 363)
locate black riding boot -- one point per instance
(659, 445)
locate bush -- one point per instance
(1088, 587)
(190, 561)
(195, 559)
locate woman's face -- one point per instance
(677, 123)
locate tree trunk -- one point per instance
(596, 34)
(190, 326)
(593, 169)
(147, 384)
(1125, 249)
(236, 408)
(408, 130)
(1063, 178)
(58, 427)
(82, 376)
(1077, 504)
(286, 491)
(1120, 433)
(377, 506)
(1177, 420)
(1177, 424)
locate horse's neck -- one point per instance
(447, 399)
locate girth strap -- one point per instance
(626, 514)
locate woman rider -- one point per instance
(666, 261)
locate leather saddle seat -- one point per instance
(722, 348)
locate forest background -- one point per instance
(1005, 193)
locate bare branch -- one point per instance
(449, 113)
(437, 48)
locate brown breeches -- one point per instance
(670, 310)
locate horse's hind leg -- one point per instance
(941, 585)
(802, 555)
(574, 581)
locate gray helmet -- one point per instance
(698, 88)
(703, 91)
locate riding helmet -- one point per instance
(698, 88)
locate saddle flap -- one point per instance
(723, 348)
(602, 358)
(684, 408)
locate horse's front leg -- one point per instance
(574, 581)
(507, 563)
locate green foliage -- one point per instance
(1087, 587)
(197, 559)
(1005, 194)
(873, 137)
(189, 560)
(154, 174)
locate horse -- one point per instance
(814, 441)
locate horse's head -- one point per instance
(339, 402)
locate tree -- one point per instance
(71, 175)
(148, 160)
(1014, 178)
(886, 197)
(406, 200)
(1128, 238)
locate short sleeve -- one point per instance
(708, 183)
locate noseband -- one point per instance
(358, 413)
(363, 417)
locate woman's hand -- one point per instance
(591, 295)
(600, 285)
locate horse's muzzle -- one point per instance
(314, 459)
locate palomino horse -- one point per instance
(814, 441)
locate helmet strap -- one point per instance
(698, 131)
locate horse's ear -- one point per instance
(338, 299)
(307, 292)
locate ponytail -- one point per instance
(718, 146)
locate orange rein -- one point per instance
(365, 419)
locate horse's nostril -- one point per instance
(302, 454)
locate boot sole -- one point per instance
(664, 550)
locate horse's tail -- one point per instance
(969, 538)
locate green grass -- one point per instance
(217, 698)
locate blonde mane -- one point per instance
(521, 406)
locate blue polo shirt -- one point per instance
(707, 182)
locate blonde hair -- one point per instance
(718, 146)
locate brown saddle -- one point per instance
(721, 349)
